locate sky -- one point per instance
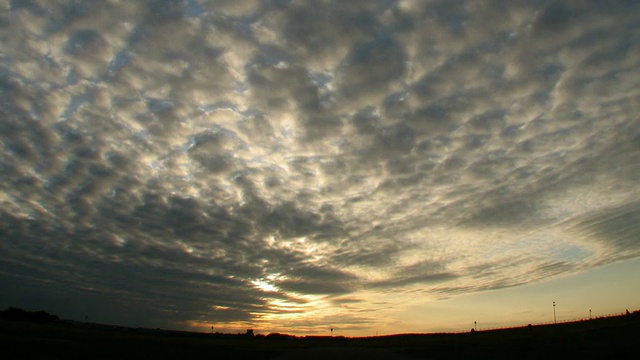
(380, 166)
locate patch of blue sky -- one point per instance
(240, 87)
(219, 106)
(194, 9)
(321, 79)
(75, 104)
(571, 252)
(119, 60)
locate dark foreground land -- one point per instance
(613, 337)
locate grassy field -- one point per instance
(614, 337)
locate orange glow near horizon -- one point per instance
(598, 290)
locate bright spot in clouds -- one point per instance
(298, 165)
(264, 286)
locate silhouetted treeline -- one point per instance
(16, 314)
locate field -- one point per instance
(614, 337)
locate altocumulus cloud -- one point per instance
(169, 161)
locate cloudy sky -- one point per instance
(380, 165)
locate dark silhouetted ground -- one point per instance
(613, 338)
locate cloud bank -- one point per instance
(280, 163)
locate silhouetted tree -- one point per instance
(16, 314)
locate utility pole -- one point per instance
(475, 326)
(589, 314)
(554, 312)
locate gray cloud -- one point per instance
(213, 160)
(617, 227)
